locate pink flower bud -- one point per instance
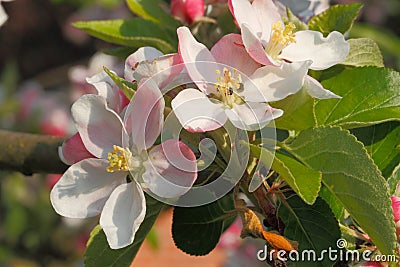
(396, 208)
(187, 11)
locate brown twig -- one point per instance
(30, 153)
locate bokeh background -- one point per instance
(43, 65)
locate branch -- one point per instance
(30, 153)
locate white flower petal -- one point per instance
(142, 54)
(315, 89)
(244, 13)
(252, 116)
(254, 46)
(270, 83)
(197, 59)
(171, 169)
(196, 112)
(311, 45)
(122, 215)
(84, 188)
(99, 127)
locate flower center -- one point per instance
(280, 38)
(227, 83)
(119, 159)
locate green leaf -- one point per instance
(98, 253)
(134, 33)
(381, 142)
(154, 11)
(351, 175)
(314, 227)
(370, 95)
(332, 201)
(363, 52)
(196, 230)
(127, 87)
(298, 112)
(386, 39)
(336, 18)
(304, 181)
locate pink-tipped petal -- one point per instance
(252, 116)
(99, 127)
(144, 116)
(123, 214)
(84, 188)
(231, 44)
(396, 208)
(196, 112)
(312, 45)
(270, 83)
(198, 60)
(144, 53)
(171, 169)
(73, 150)
(315, 89)
(254, 46)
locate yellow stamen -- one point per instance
(227, 83)
(119, 159)
(280, 38)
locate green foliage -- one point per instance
(314, 227)
(304, 181)
(98, 252)
(382, 143)
(133, 33)
(298, 111)
(127, 87)
(154, 11)
(363, 52)
(196, 230)
(350, 174)
(336, 18)
(370, 95)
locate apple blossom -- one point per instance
(221, 95)
(102, 184)
(270, 42)
(149, 62)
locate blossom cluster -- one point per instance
(115, 156)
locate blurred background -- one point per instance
(44, 62)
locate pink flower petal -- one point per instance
(84, 188)
(73, 150)
(232, 44)
(254, 46)
(396, 207)
(171, 169)
(323, 51)
(196, 112)
(99, 127)
(122, 215)
(144, 116)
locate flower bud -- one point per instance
(187, 11)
